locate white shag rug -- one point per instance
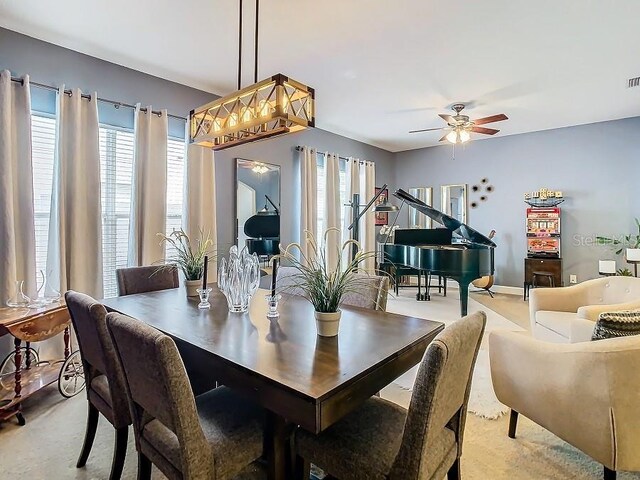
(482, 400)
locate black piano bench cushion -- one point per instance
(617, 324)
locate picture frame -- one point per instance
(382, 218)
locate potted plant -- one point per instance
(189, 258)
(323, 286)
(630, 244)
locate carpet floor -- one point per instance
(48, 445)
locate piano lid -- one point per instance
(456, 226)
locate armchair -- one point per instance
(567, 314)
(586, 393)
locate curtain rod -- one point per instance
(300, 147)
(104, 100)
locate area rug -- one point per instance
(482, 400)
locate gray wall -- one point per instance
(596, 166)
(53, 65)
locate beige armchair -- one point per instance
(567, 314)
(587, 393)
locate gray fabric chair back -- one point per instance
(440, 395)
(146, 279)
(162, 404)
(372, 290)
(98, 356)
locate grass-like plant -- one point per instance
(189, 259)
(323, 286)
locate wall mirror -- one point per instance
(416, 218)
(453, 201)
(257, 206)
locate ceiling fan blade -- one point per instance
(447, 118)
(443, 138)
(491, 119)
(427, 130)
(486, 131)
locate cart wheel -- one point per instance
(8, 365)
(21, 421)
(71, 377)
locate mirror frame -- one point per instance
(235, 201)
(417, 219)
(443, 201)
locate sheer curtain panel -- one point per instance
(309, 197)
(199, 211)
(149, 188)
(74, 256)
(332, 209)
(17, 235)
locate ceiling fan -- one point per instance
(461, 126)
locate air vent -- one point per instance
(634, 82)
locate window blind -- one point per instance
(175, 181)
(43, 143)
(321, 179)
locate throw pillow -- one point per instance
(617, 324)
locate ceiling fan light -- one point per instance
(452, 136)
(464, 136)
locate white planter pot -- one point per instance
(633, 254)
(328, 323)
(192, 286)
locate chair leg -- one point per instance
(454, 471)
(301, 468)
(513, 423)
(144, 467)
(609, 474)
(89, 436)
(119, 452)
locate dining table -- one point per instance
(301, 379)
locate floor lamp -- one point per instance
(357, 214)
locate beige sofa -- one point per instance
(587, 393)
(567, 314)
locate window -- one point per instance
(116, 174)
(175, 180)
(321, 192)
(43, 144)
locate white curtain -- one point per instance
(308, 197)
(199, 212)
(368, 235)
(352, 172)
(332, 209)
(74, 255)
(17, 236)
(149, 189)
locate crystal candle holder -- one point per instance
(272, 304)
(204, 297)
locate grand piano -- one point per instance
(263, 231)
(469, 256)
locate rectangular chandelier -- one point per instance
(274, 106)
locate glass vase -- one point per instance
(19, 299)
(238, 278)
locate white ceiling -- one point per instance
(380, 68)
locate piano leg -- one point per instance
(421, 297)
(464, 297)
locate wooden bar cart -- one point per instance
(22, 373)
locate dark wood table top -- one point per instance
(288, 353)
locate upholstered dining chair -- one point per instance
(217, 435)
(104, 382)
(133, 280)
(373, 292)
(382, 440)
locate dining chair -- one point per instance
(217, 435)
(372, 294)
(104, 382)
(133, 280)
(382, 440)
